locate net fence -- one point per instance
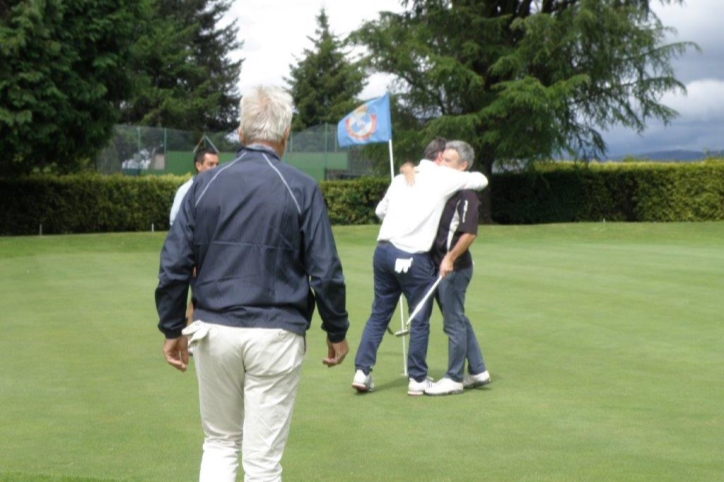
(139, 151)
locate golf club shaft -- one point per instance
(419, 306)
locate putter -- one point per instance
(418, 308)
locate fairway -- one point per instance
(604, 343)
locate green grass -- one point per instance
(604, 342)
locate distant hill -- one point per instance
(673, 156)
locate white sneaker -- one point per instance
(362, 382)
(415, 388)
(444, 386)
(472, 381)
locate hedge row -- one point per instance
(353, 202)
(87, 203)
(570, 192)
(91, 203)
(558, 192)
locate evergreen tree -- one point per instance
(63, 71)
(323, 83)
(523, 79)
(185, 78)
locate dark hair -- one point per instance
(434, 148)
(201, 153)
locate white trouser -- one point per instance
(248, 380)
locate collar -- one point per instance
(260, 148)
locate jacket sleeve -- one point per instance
(176, 267)
(324, 268)
(468, 212)
(453, 181)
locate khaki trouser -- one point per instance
(248, 380)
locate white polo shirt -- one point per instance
(411, 214)
(178, 199)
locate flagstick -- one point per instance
(345, 137)
(392, 164)
(402, 305)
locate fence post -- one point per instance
(326, 149)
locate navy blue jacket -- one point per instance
(258, 233)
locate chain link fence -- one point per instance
(139, 151)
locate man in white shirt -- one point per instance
(204, 159)
(402, 265)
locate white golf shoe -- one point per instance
(444, 386)
(472, 381)
(415, 388)
(363, 383)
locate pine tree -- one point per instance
(323, 83)
(523, 79)
(185, 78)
(63, 71)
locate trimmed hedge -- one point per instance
(548, 193)
(86, 203)
(570, 192)
(353, 202)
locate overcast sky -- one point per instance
(275, 31)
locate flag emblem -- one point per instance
(368, 123)
(360, 124)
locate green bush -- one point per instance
(548, 193)
(85, 203)
(89, 203)
(353, 202)
(643, 191)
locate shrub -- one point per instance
(353, 202)
(643, 191)
(547, 193)
(85, 203)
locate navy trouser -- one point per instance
(398, 272)
(462, 343)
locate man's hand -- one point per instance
(447, 266)
(335, 353)
(176, 351)
(408, 170)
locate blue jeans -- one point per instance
(462, 343)
(398, 272)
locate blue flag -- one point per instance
(367, 124)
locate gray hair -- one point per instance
(266, 114)
(464, 150)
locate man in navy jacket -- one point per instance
(258, 234)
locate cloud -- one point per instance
(704, 101)
(698, 126)
(697, 21)
(275, 31)
(701, 110)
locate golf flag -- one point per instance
(367, 124)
